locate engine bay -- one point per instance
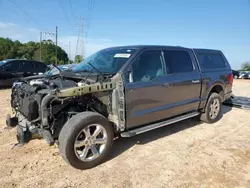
(36, 99)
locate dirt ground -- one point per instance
(186, 154)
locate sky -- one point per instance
(216, 24)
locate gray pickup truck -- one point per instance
(119, 91)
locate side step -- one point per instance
(158, 125)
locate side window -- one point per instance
(27, 66)
(211, 60)
(178, 61)
(40, 66)
(13, 66)
(148, 66)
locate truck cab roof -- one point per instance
(142, 47)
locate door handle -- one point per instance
(195, 81)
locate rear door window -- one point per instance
(211, 60)
(178, 61)
(13, 66)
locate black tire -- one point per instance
(70, 132)
(205, 115)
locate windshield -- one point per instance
(55, 71)
(1, 63)
(106, 61)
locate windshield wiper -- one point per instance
(60, 71)
(100, 73)
(94, 67)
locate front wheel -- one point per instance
(86, 140)
(212, 109)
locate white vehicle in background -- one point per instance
(244, 75)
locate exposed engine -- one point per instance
(27, 95)
(35, 99)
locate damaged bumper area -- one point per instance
(26, 131)
(26, 102)
(42, 107)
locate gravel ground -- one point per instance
(186, 154)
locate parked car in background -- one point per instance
(236, 74)
(50, 72)
(248, 75)
(13, 69)
(244, 75)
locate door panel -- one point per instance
(183, 94)
(27, 68)
(185, 80)
(145, 102)
(145, 97)
(11, 73)
(167, 95)
(13, 68)
(162, 98)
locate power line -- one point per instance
(71, 10)
(48, 38)
(91, 5)
(65, 14)
(25, 13)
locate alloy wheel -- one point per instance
(214, 109)
(90, 142)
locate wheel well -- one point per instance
(217, 89)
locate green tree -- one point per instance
(49, 54)
(78, 58)
(71, 62)
(31, 50)
(5, 47)
(246, 66)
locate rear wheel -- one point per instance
(212, 109)
(86, 140)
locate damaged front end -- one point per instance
(41, 107)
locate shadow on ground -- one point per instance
(5, 88)
(122, 144)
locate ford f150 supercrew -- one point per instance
(119, 91)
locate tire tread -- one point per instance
(76, 122)
(205, 115)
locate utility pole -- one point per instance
(69, 51)
(44, 36)
(56, 45)
(41, 35)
